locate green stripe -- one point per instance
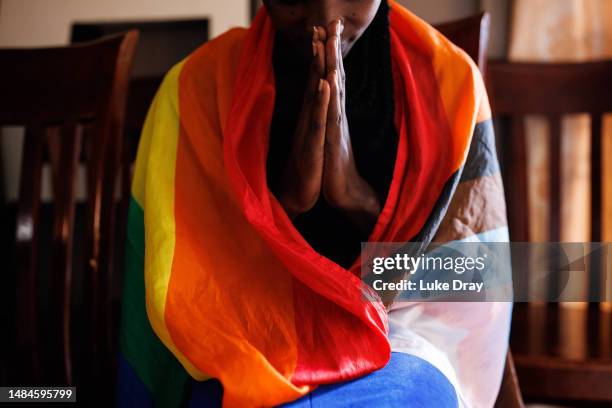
(155, 365)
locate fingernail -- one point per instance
(314, 49)
(315, 34)
(320, 85)
(340, 27)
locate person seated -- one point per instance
(268, 156)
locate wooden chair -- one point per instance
(472, 35)
(170, 41)
(71, 101)
(547, 368)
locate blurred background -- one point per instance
(555, 159)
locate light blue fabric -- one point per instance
(406, 381)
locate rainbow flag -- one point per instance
(219, 283)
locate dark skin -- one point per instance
(321, 161)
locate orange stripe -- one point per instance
(457, 77)
(153, 189)
(224, 276)
(484, 111)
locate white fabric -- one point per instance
(467, 342)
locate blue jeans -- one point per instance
(406, 381)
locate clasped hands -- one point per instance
(321, 159)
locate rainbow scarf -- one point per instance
(219, 283)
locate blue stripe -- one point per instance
(206, 394)
(482, 156)
(131, 392)
(497, 235)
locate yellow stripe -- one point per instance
(153, 190)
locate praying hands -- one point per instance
(321, 159)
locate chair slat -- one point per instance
(107, 255)
(64, 206)
(597, 260)
(596, 177)
(605, 334)
(93, 268)
(515, 169)
(26, 237)
(554, 183)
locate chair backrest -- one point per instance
(551, 90)
(69, 99)
(160, 45)
(472, 35)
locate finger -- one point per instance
(332, 45)
(316, 72)
(317, 66)
(322, 33)
(334, 113)
(339, 58)
(339, 93)
(335, 150)
(319, 51)
(309, 158)
(318, 119)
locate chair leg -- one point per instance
(509, 393)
